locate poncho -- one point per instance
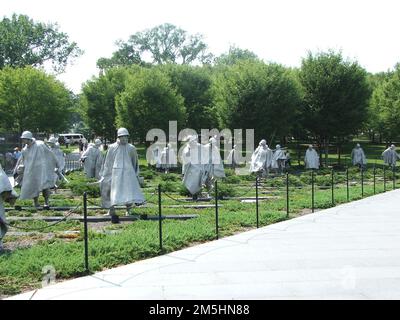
(93, 160)
(119, 183)
(39, 164)
(311, 159)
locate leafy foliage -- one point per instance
(165, 43)
(32, 100)
(251, 94)
(98, 101)
(28, 43)
(385, 105)
(148, 101)
(335, 94)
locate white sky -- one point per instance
(281, 31)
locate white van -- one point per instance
(71, 138)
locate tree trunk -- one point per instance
(298, 152)
(326, 142)
(320, 150)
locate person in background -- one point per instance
(17, 153)
(9, 163)
(80, 144)
(85, 144)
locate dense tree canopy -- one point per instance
(149, 101)
(335, 95)
(251, 94)
(235, 55)
(195, 86)
(32, 100)
(98, 101)
(165, 43)
(28, 43)
(385, 104)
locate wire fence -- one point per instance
(72, 162)
(376, 180)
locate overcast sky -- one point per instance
(276, 30)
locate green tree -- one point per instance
(374, 123)
(195, 86)
(335, 94)
(28, 43)
(385, 104)
(32, 100)
(98, 101)
(252, 94)
(235, 55)
(149, 101)
(165, 43)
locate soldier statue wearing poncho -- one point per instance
(35, 169)
(7, 194)
(278, 159)
(311, 159)
(192, 165)
(358, 157)
(168, 158)
(119, 183)
(390, 156)
(60, 156)
(261, 159)
(92, 160)
(233, 158)
(214, 167)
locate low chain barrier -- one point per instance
(362, 177)
(66, 216)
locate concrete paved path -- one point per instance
(351, 251)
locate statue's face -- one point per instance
(27, 141)
(123, 139)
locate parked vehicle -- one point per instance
(70, 138)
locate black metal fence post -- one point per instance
(312, 190)
(347, 184)
(287, 194)
(394, 177)
(374, 179)
(216, 209)
(160, 217)
(85, 232)
(384, 178)
(257, 213)
(362, 182)
(332, 187)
